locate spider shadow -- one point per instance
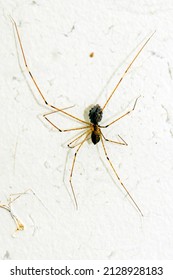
(67, 185)
(108, 170)
(116, 70)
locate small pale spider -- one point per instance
(92, 128)
(7, 206)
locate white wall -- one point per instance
(58, 37)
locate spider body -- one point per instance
(95, 116)
(92, 128)
(95, 134)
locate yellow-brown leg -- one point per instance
(127, 113)
(115, 142)
(127, 69)
(119, 177)
(77, 138)
(34, 80)
(62, 130)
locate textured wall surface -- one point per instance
(58, 38)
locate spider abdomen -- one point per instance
(95, 135)
(95, 138)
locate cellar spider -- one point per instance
(7, 206)
(92, 128)
(12, 198)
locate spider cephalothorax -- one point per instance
(95, 114)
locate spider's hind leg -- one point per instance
(73, 164)
(116, 174)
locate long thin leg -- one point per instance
(18, 195)
(116, 142)
(119, 177)
(127, 69)
(73, 164)
(62, 130)
(77, 144)
(127, 113)
(34, 81)
(77, 138)
(19, 225)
